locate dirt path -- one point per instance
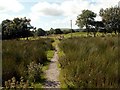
(52, 73)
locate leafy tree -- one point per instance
(16, 28)
(111, 18)
(58, 31)
(7, 28)
(98, 25)
(41, 32)
(85, 19)
(66, 31)
(52, 31)
(47, 32)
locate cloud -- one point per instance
(98, 4)
(71, 7)
(65, 8)
(10, 5)
(45, 8)
(65, 22)
(5, 16)
(68, 9)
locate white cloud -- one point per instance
(72, 7)
(5, 16)
(45, 8)
(69, 9)
(65, 8)
(64, 23)
(10, 5)
(102, 4)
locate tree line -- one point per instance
(21, 27)
(110, 20)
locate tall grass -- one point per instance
(16, 55)
(90, 62)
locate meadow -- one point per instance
(89, 62)
(25, 58)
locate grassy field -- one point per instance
(84, 61)
(84, 34)
(89, 62)
(18, 54)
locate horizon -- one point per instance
(48, 14)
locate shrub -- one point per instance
(34, 71)
(16, 55)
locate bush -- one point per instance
(16, 55)
(34, 71)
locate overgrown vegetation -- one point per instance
(89, 62)
(17, 58)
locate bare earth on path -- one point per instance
(52, 73)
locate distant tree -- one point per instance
(111, 18)
(66, 31)
(47, 32)
(34, 32)
(52, 31)
(98, 25)
(85, 19)
(58, 31)
(41, 32)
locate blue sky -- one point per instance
(48, 14)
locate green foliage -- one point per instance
(16, 55)
(85, 18)
(34, 72)
(89, 62)
(58, 31)
(50, 54)
(16, 28)
(111, 18)
(41, 32)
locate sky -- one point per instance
(48, 14)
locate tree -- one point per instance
(8, 28)
(41, 32)
(58, 31)
(111, 18)
(98, 25)
(85, 19)
(66, 31)
(52, 31)
(16, 28)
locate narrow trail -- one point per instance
(52, 73)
